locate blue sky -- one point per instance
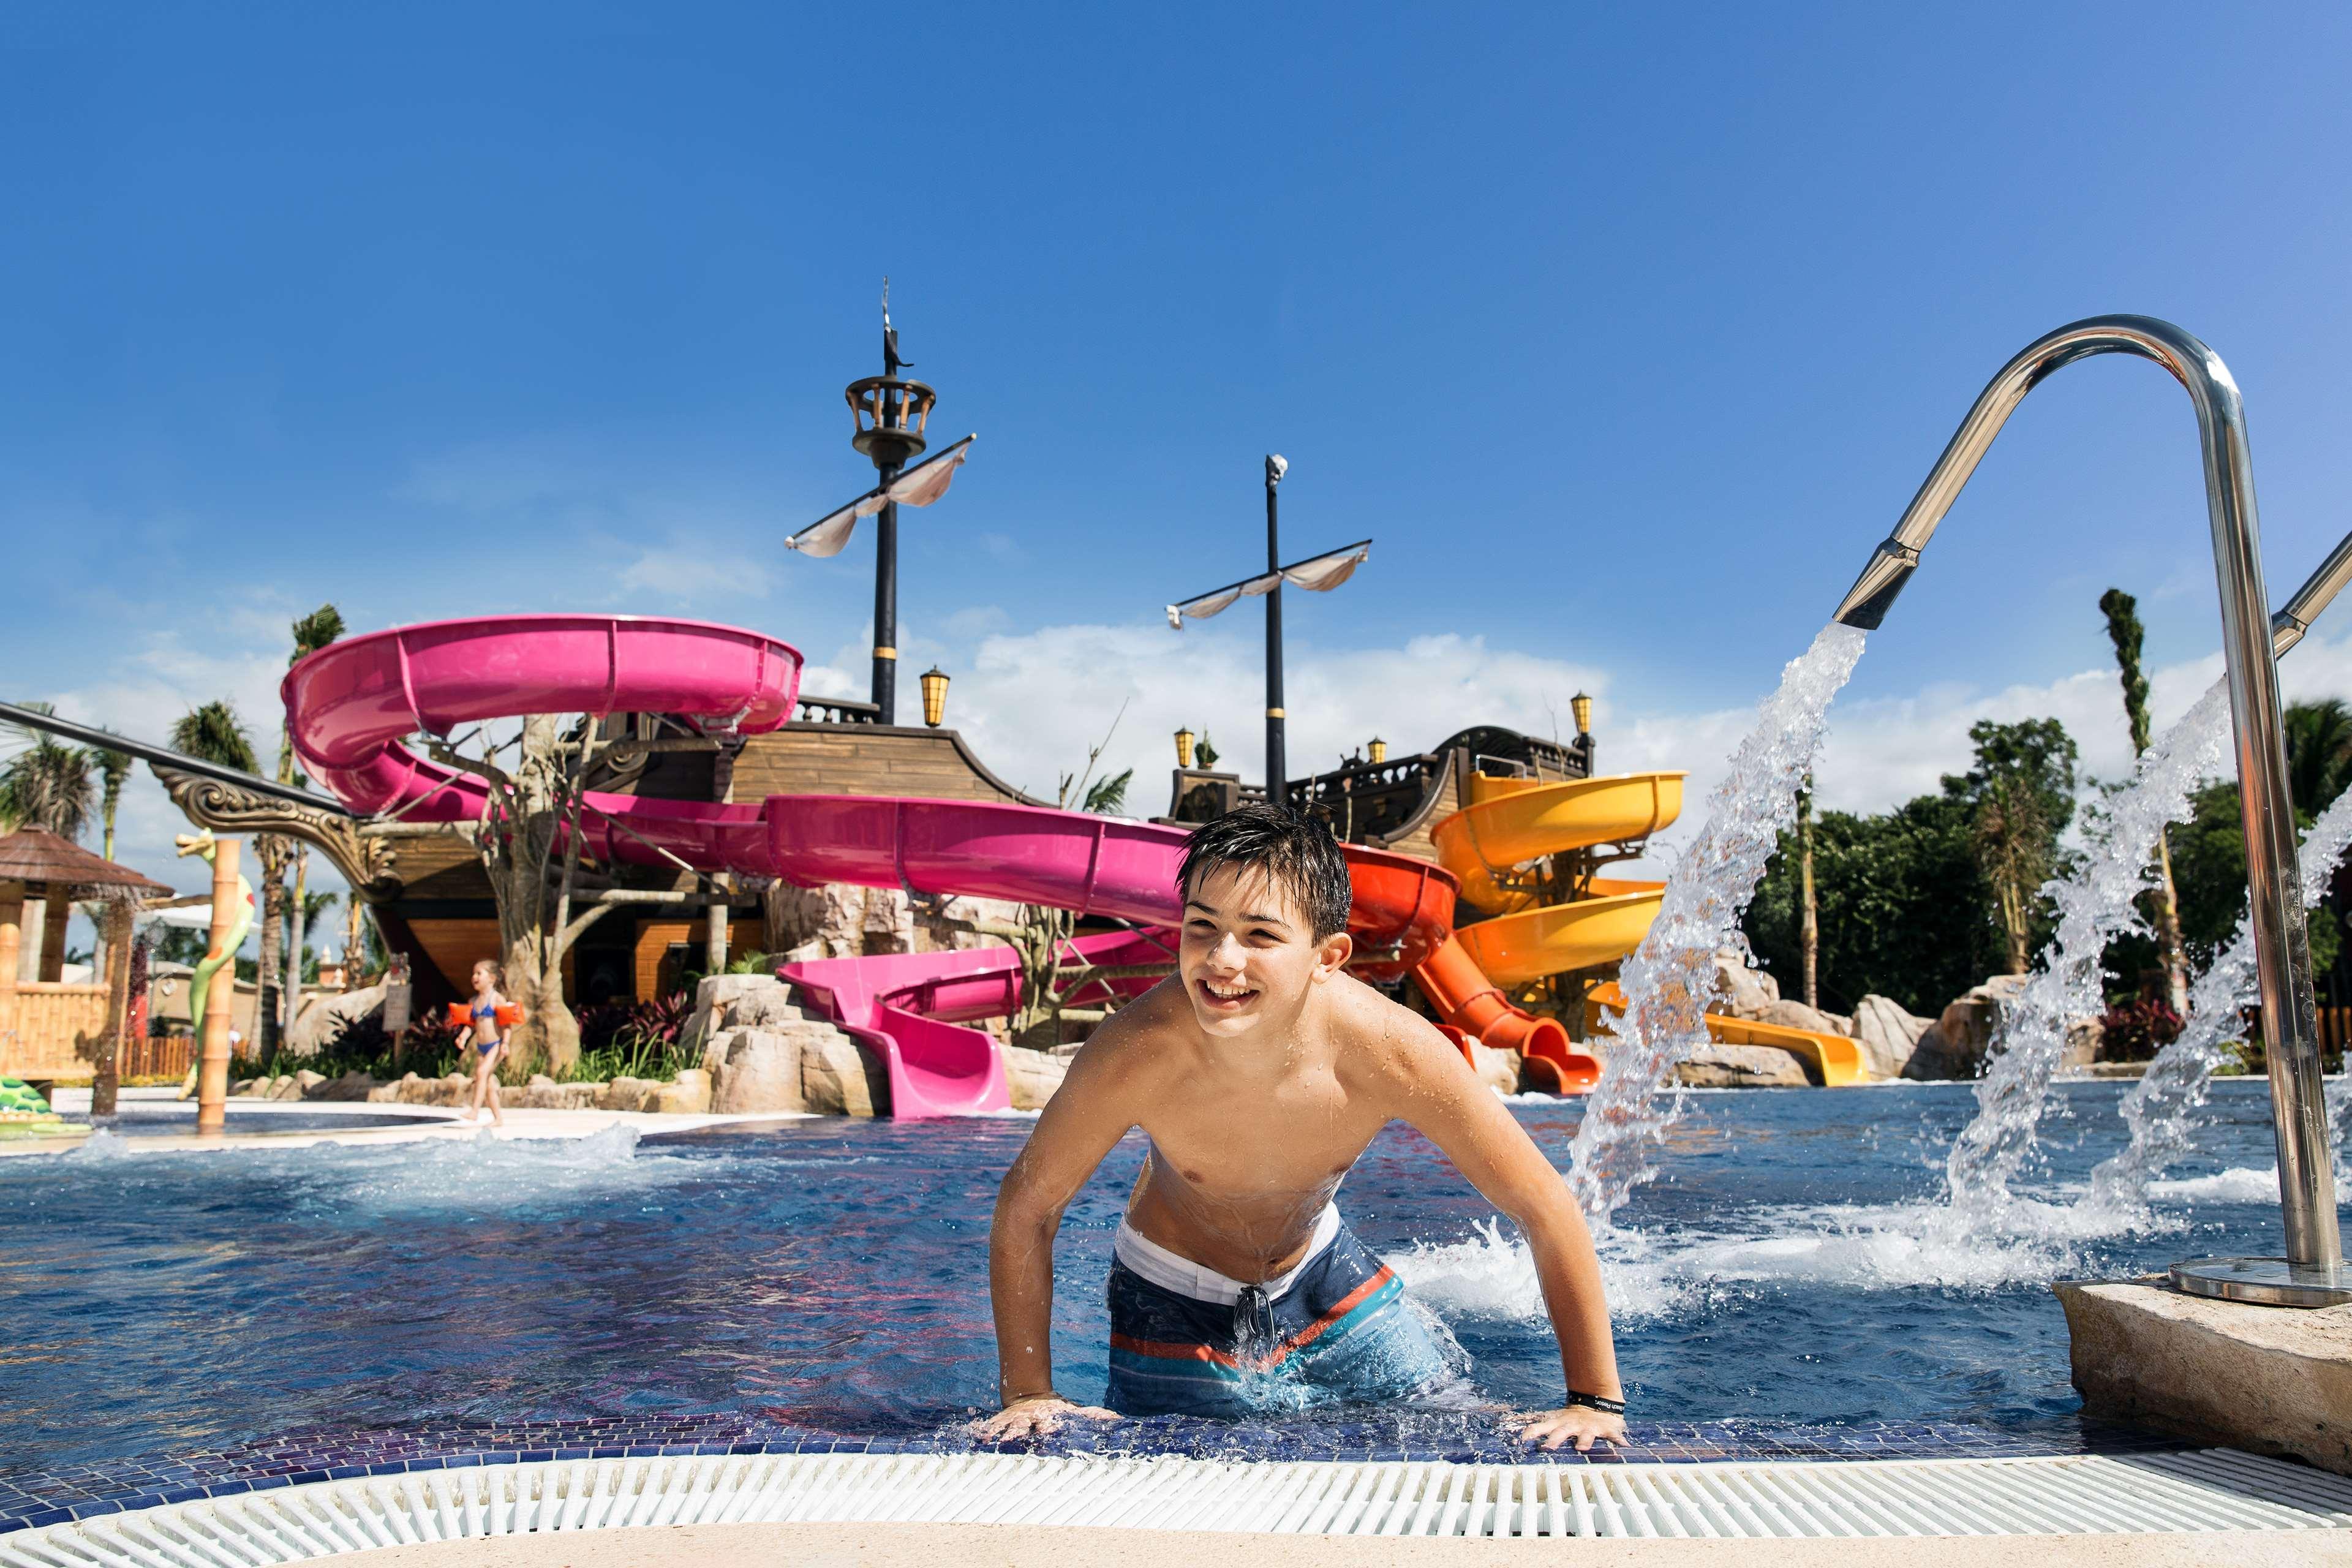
(1624, 334)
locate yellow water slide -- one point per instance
(1511, 822)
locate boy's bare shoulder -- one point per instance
(1141, 1042)
(1383, 1042)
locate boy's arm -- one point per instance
(1088, 1113)
(1448, 1104)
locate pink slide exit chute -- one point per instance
(911, 1007)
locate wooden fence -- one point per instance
(158, 1056)
(42, 1024)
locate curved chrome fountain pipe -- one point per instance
(2312, 1272)
(2317, 593)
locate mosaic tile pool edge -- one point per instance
(87, 1491)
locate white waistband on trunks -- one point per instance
(1175, 1271)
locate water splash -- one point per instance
(2161, 1109)
(1670, 978)
(2095, 905)
(2339, 1125)
(1489, 1275)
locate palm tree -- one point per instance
(2125, 631)
(48, 784)
(2318, 753)
(281, 921)
(214, 733)
(113, 772)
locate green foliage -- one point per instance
(181, 944)
(1107, 797)
(1203, 753)
(2126, 632)
(1904, 909)
(2209, 863)
(2135, 1031)
(635, 1039)
(2318, 753)
(113, 772)
(2021, 795)
(45, 784)
(431, 1050)
(311, 633)
(215, 734)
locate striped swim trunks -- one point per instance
(1186, 1340)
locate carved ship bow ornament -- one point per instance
(365, 862)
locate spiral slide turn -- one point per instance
(1513, 821)
(354, 705)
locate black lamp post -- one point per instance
(889, 413)
(1277, 770)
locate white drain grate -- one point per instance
(2217, 1489)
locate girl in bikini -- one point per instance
(488, 1040)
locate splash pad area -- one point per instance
(791, 1322)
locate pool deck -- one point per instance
(895, 1545)
(432, 1123)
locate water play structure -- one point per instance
(2312, 1272)
(354, 705)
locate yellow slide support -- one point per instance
(1836, 1059)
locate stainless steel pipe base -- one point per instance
(2266, 1281)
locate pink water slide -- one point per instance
(355, 705)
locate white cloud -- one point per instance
(687, 575)
(978, 621)
(1032, 704)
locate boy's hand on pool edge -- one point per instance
(1548, 1429)
(1038, 1416)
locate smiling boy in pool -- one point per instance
(1261, 1071)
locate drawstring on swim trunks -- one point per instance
(1254, 1329)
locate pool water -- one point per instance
(1791, 1266)
(177, 1119)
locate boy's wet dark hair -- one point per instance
(1298, 854)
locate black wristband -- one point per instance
(1594, 1402)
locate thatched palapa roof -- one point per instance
(34, 854)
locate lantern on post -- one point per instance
(1378, 750)
(1184, 748)
(1581, 705)
(935, 695)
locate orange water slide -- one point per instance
(1472, 1003)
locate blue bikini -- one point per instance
(485, 1010)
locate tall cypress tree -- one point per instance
(2125, 631)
